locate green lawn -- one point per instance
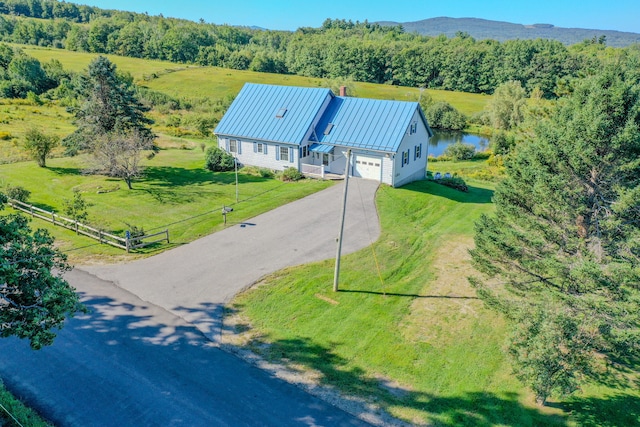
(413, 339)
(25, 416)
(176, 192)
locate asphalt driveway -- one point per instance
(140, 357)
(194, 281)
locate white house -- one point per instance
(311, 129)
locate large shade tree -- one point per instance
(34, 297)
(561, 254)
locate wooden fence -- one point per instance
(127, 243)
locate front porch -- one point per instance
(319, 171)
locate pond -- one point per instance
(441, 139)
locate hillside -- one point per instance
(485, 29)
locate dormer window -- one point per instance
(413, 128)
(327, 131)
(281, 112)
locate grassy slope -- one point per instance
(25, 416)
(416, 342)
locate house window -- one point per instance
(405, 157)
(284, 153)
(325, 159)
(418, 152)
(413, 128)
(260, 148)
(233, 146)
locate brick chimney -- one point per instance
(343, 91)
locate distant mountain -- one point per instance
(484, 29)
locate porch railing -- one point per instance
(317, 170)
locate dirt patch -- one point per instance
(449, 302)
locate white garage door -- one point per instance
(367, 167)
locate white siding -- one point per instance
(416, 169)
(248, 157)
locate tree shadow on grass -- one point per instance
(468, 409)
(392, 294)
(611, 411)
(474, 195)
(169, 176)
(66, 171)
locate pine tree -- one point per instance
(561, 254)
(110, 106)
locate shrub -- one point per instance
(18, 193)
(218, 160)
(257, 171)
(291, 174)
(76, 207)
(5, 136)
(482, 155)
(266, 173)
(454, 182)
(460, 151)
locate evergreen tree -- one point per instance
(110, 106)
(563, 247)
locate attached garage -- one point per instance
(367, 167)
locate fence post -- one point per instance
(53, 218)
(76, 226)
(31, 210)
(167, 230)
(128, 238)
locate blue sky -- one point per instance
(621, 15)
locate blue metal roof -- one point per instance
(367, 123)
(321, 148)
(272, 113)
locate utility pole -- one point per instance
(344, 210)
(235, 162)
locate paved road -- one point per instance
(129, 363)
(137, 358)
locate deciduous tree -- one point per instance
(563, 247)
(34, 297)
(506, 108)
(119, 154)
(39, 145)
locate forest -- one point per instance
(360, 51)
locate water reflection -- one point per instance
(441, 139)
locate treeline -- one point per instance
(338, 49)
